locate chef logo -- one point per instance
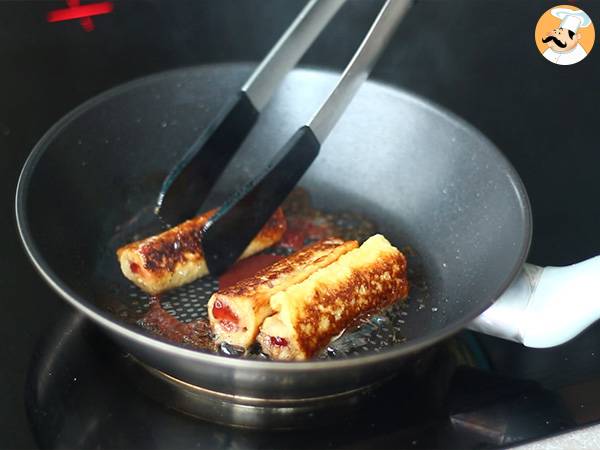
(564, 35)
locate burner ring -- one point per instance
(244, 411)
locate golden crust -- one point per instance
(310, 313)
(248, 300)
(174, 258)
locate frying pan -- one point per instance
(429, 181)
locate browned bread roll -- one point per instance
(237, 312)
(174, 258)
(309, 314)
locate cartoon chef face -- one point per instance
(564, 41)
(561, 39)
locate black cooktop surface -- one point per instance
(61, 383)
(469, 392)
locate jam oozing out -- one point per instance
(135, 268)
(246, 268)
(293, 239)
(300, 229)
(223, 312)
(279, 341)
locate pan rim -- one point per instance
(129, 332)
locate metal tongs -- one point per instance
(241, 217)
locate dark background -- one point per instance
(476, 58)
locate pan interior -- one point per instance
(428, 181)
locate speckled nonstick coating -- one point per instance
(427, 180)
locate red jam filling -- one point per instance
(225, 315)
(279, 341)
(134, 267)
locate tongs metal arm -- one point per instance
(288, 50)
(359, 67)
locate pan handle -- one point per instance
(545, 306)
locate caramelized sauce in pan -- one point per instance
(301, 230)
(246, 268)
(196, 334)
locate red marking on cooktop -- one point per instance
(82, 12)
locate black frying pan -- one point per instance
(424, 177)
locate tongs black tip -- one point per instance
(188, 184)
(237, 222)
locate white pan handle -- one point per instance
(547, 306)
